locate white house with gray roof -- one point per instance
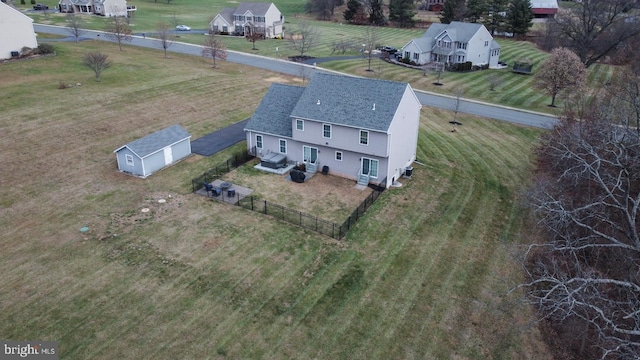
(362, 129)
(454, 43)
(97, 7)
(155, 151)
(261, 17)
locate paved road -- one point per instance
(287, 67)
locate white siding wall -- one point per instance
(342, 137)
(478, 53)
(272, 16)
(16, 31)
(404, 135)
(412, 48)
(115, 8)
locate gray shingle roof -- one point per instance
(227, 14)
(350, 101)
(156, 141)
(461, 31)
(273, 115)
(256, 8)
(458, 31)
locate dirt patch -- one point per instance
(326, 196)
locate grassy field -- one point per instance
(513, 89)
(425, 274)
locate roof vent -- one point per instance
(318, 102)
(374, 107)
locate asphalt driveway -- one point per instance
(219, 140)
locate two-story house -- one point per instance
(362, 129)
(454, 43)
(16, 32)
(249, 17)
(95, 7)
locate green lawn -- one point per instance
(424, 274)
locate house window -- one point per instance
(407, 55)
(283, 146)
(486, 43)
(338, 155)
(129, 159)
(416, 56)
(259, 141)
(299, 124)
(225, 29)
(364, 137)
(326, 131)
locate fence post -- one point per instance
(228, 165)
(333, 230)
(265, 206)
(251, 202)
(300, 213)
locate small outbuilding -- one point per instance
(155, 151)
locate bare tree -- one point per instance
(562, 70)
(595, 28)
(118, 30)
(584, 277)
(305, 38)
(254, 35)
(214, 47)
(74, 26)
(455, 105)
(166, 39)
(305, 73)
(97, 62)
(370, 39)
(494, 81)
(341, 46)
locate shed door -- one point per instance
(168, 156)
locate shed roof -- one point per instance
(157, 141)
(273, 115)
(350, 101)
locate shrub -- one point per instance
(44, 49)
(33, 2)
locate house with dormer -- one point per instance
(454, 43)
(358, 128)
(249, 17)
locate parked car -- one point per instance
(183, 28)
(389, 49)
(40, 7)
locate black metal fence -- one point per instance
(236, 160)
(336, 231)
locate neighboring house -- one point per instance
(16, 32)
(435, 5)
(155, 151)
(96, 7)
(454, 43)
(544, 8)
(362, 129)
(263, 18)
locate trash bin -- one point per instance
(408, 171)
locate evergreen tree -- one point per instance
(496, 15)
(402, 12)
(452, 10)
(519, 17)
(476, 9)
(376, 16)
(353, 7)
